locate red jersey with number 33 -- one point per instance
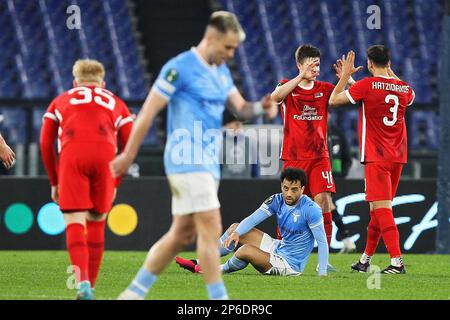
(88, 114)
(305, 114)
(382, 127)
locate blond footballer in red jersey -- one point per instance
(304, 111)
(383, 145)
(86, 122)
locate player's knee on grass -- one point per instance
(244, 252)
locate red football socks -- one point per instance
(389, 231)
(373, 235)
(96, 247)
(328, 224)
(78, 251)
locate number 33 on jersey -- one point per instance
(88, 114)
(382, 127)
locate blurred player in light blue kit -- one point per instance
(195, 85)
(300, 221)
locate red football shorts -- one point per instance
(382, 180)
(318, 172)
(85, 182)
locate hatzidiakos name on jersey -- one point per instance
(390, 87)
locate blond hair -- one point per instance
(87, 71)
(224, 21)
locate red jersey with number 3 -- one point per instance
(382, 127)
(305, 114)
(88, 114)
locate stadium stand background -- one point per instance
(38, 50)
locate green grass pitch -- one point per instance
(43, 275)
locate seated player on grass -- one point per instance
(301, 222)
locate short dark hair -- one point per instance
(294, 174)
(379, 55)
(306, 51)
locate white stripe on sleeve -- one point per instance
(116, 124)
(266, 211)
(166, 86)
(160, 93)
(349, 96)
(231, 91)
(316, 224)
(124, 122)
(50, 116)
(413, 98)
(364, 132)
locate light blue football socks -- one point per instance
(143, 281)
(217, 291)
(233, 264)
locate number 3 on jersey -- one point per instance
(103, 97)
(394, 110)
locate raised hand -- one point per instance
(309, 71)
(338, 67)
(348, 65)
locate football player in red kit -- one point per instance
(304, 111)
(383, 146)
(86, 121)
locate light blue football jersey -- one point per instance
(196, 94)
(295, 224)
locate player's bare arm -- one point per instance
(55, 194)
(47, 143)
(152, 106)
(7, 156)
(307, 73)
(338, 96)
(250, 109)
